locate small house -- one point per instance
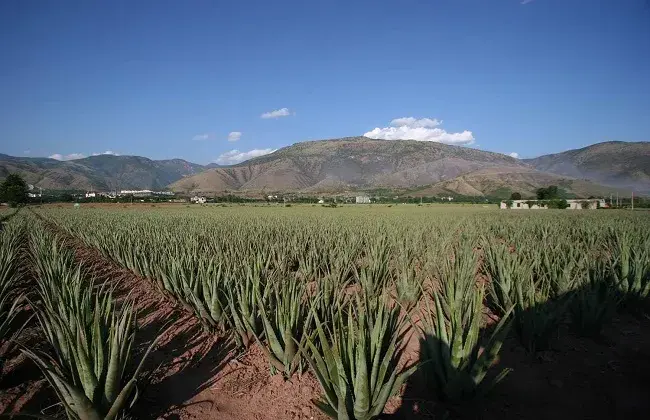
(591, 204)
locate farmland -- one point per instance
(308, 311)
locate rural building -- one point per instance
(91, 195)
(362, 199)
(591, 204)
(198, 200)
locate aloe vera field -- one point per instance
(312, 312)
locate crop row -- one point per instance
(339, 292)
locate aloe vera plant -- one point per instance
(453, 361)
(356, 359)
(562, 263)
(504, 270)
(91, 342)
(537, 316)
(630, 266)
(594, 302)
(287, 322)
(328, 297)
(409, 290)
(375, 275)
(243, 296)
(9, 274)
(207, 294)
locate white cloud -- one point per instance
(108, 152)
(282, 112)
(514, 155)
(234, 136)
(71, 156)
(27, 151)
(424, 129)
(235, 156)
(415, 123)
(526, 1)
(203, 136)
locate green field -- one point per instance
(331, 291)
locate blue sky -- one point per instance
(167, 79)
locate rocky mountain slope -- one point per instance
(501, 182)
(358, 163)
(347, 164)
(615, 163)
(103, 172)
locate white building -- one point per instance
(136, 192)
(590, 204)
(198, 200)
(91, 195)
(362, 199)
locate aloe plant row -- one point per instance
(10, 272)
(297, 281)
(91, 339)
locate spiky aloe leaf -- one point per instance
(346, 360)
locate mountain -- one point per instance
(501, 182)
(347, 164)
(100, 173)
(616, 163)
(358, 163)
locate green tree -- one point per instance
(14, 190)
(515, 196)
(549, 193)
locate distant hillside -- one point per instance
(501, 182)
(345, 164)
(103, 172)
(616, 163)
(358, 163)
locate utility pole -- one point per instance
(632, 200)
(617, 203)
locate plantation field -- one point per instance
(308, 311)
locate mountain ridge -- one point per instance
(354, 164)
(357, 163)
(614, 163)
(100, 172)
